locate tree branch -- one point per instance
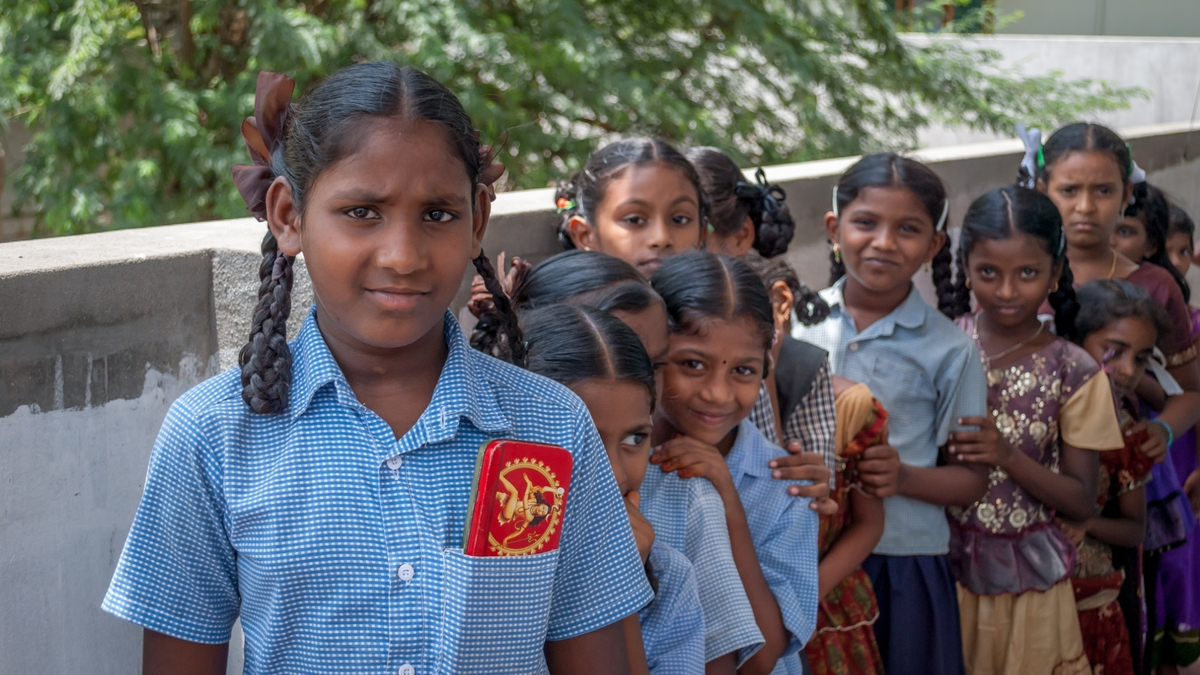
(187, 43)
(148, 26)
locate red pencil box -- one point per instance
(518, 498)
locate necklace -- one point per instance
(987, 360)
(1113, 269)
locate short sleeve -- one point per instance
(600, 577)
(788, 556)
(729, 623)
(1088, 419)
(178, 573)
(962, 390)
(673, 625)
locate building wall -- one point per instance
(100, 333)
(1160, 18)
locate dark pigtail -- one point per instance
(837, 269)
(808, 306)
(942, 267)
(1065, 304)
(583, 193)
(266, 360)
(509, 345)
(960, 301)
(733, 199)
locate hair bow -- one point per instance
(771, 195)
(1032, 161)
(263, 133)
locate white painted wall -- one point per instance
(1161, 18)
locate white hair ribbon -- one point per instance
(835, 204)
(1032, 138)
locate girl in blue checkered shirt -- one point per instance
(319, 492)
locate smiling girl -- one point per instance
(888, 220)
(721, 334)
(319, 491)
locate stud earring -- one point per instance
(967, 283)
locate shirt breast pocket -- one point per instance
(902, 386)
(495, 612)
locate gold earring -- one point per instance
(1054, 288)
(837, 253)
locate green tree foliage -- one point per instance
(136, 105)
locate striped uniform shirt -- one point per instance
(689, 516)
(340, 546)
(784, 531)
(926, 372)
(673, 625)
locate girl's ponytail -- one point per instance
(943, 279)
(773, 224)
(266, 360)
(502, 338)
(1065, 304)
(960, 302)
(808, 305)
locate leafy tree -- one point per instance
(136, 105)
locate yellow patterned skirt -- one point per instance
(1034, 633)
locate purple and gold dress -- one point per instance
(1012, 562)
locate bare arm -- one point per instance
(1130, 528)
(600, 652)
(1182, 412)
(953, 485)
(722, 665)
(166, 655)
(854, 544)
(635, 648)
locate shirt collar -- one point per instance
(462, 390)
(748, 455)
(910, 314)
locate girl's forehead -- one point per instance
(389, 158)
(724, 333)
(1086, 166)
(890, 201)
(1016, 246)
(655, 182)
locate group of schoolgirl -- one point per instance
(982, 498)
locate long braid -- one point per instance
(943, 279)
(960, 302)
(266, 360)
(1065, 304)
(509, 345)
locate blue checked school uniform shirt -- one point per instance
(926, 372)
(673, 625)
(784, 531)
(340, 546)
(689, 516)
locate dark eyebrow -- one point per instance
(360, 196)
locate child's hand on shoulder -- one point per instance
(800, 465)
(690, 458)
(987, 446)
(879, 470)
(643, 531)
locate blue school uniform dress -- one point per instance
(340, 546)
(688, 515)
(672, 625)
(784, 531)
(927, 373)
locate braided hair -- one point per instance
(890, 170)
(305, 140)
(733, 200)
(808, 306)
(584, 191)
(1151, 207)
(1001, 213)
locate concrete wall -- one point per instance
(100, 333)
(1163, 18)
(1167, 68)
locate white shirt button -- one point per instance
(853, 346)
(395, 462)
(405, 572)
(406, 669)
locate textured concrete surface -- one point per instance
(100, 333)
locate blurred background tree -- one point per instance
(135, 106)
